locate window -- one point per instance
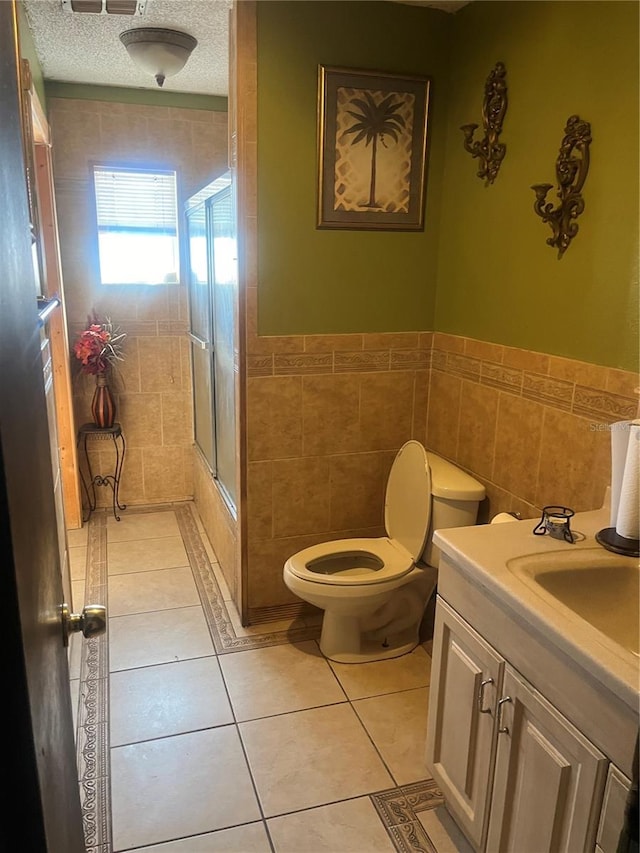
(137, 218)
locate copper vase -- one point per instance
(103, 407)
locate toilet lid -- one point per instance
(407, 506)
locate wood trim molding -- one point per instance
(53, 286)
(243, 153)
(39, 124)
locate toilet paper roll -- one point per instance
(501, 517)
(628, 517)
(619, 444)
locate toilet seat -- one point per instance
(358, 561)
(407, 515)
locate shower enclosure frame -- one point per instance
(212, 288)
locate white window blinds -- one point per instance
(138, 201)
(137, 225)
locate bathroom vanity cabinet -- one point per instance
(514, 771)
(530, 751)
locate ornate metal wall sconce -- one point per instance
(494, 106)
(572, 167)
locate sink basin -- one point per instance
(598, 586)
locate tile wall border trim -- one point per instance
(566, 384)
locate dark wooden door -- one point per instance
(40, 809)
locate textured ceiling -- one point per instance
(85, 48)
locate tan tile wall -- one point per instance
(153, 386)
(326, 415)
(219, 524)
(325, 418)
(533, 428)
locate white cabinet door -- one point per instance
(548, 780)
(465, 684)
(612, 819)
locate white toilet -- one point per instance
(374, 591)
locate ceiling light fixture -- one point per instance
(160, 52)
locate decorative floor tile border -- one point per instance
(225, 639)
(398, 809)
(92, 741)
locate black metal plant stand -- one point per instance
(89, 483)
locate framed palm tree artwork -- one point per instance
(372, 142)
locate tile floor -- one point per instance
(196, 735)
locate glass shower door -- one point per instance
(213, 292)
(223, 265)
(200, 310)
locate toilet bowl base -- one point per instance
(368, 656)
(342, 641)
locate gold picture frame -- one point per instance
(372, 144)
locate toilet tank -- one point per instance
(455, 497)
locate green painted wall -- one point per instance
(123, 95)
(482, 267)
(316, 281)
(497, 279)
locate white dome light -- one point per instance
(160, 52)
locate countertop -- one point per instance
(481, 553)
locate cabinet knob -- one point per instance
(481, 696)
(502, 730)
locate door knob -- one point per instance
(92, 621)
